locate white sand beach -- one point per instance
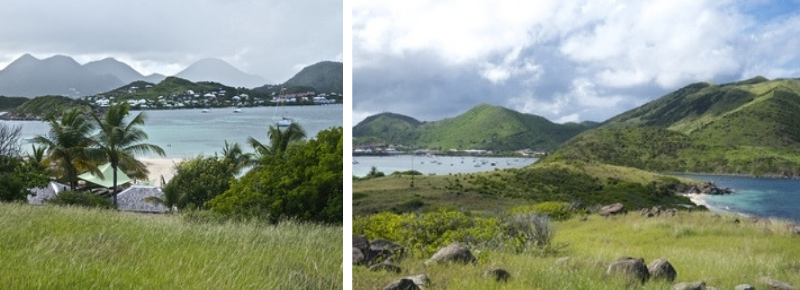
(160, 167)
(697, 199)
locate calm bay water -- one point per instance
(187, 133)
(764, 197)
(435, 165)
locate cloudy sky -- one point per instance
(272, 38)
(564, 60)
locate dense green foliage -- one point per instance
(483, 127)
(325, 76)
(18, 176)
(197, 181)
(423, 234)
(41, 108)
(81, 198)
(55, 247)
(743, 128)
(305, 182)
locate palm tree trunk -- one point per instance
(114, 189)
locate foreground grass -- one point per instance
(48, 247)
(700, 245)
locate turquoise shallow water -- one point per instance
(764, 197)
(187, 133)
(435, 165)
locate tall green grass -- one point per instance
(700, 246)
(50, 247)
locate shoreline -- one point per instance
(159, 167)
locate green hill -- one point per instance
(41, 107)
(748, 127)
(483, 127)
(325, 76)
(9, 103)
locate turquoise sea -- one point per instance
(765, 197)
(435, 164)
(187, 133)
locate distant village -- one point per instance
(213, 98)
(391, 149)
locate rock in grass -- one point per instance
(498, 274)
(699, 285)
(385, 267)
(612, 209)
(773, 283)
(358, 257)
(661, 269)
(453, 253)
(402, 284)
(385, 250)
(421, 280)
(635, 269)
(744, 287)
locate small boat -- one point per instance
(206, 110)
(237, 110)
(285, 122)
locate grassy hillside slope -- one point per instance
(748, 127)
(482, 127)
(700, 245)
(587, 184)
(74, 248)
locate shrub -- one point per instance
(531, 232)
(81, 198)
(559, 211)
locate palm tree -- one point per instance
(68, 145)
(236, 157)
(120, 141)
(279, 139)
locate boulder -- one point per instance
(700, 285)
(421, 280)
(385, 267)
(384, 250)
(744, 287)
(661, 269)
(402, 284)
(498, 274)
(358, 257)
(773, 283)
(793, 229)
(635, 269)
(455, 253)
(612, 209)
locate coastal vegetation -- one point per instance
(44, 107)
(740, 128)
(58, 247)
(722, 250)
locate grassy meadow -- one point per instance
(700, 245)
(50, 247)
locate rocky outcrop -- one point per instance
(661, 269)
(773, 283)
(453, 253)
(708, 188)
(402, 284)
(612, 209)
(379, 250)
(634, 269)
(744, 287)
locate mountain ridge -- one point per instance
(484, 126)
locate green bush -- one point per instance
(304, 184)
(81, 198)
(559, 211)
(423, 234)
(198, 180)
